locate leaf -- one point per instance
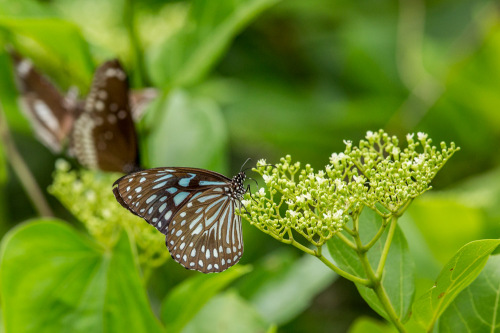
(61, 41)
(478, 305)
(54, 279)
(227, 313)
(190, 131)
(456, 275)
(437, 215)
(187, 56)
(367, 324)
(188, 298)
(287, 294)
(398, 278)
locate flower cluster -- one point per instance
(88, 196)
(377, 173)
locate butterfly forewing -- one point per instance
(104, 135)
(51, 114)
(194, 208)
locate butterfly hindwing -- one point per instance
(104, 135)
(51, 114)
(205, 234)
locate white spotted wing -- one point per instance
(194, 208)
(51, 114)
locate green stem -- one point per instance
(334, 268)
(346, 241)
(302, 247)
(343, 273)
(376, 237)
(24, 175)
(376, 278)
(140, 77)
(387, 245)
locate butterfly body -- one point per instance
(194, 208)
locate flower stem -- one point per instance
(376, 237)
(24, 174)
(140, 77)
(376, 278)
(343, 273)
(387, 245)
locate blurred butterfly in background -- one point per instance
(194, 208)
(99, 130)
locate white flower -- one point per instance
(409, 136)
(62, 164)
(419, 160)
(358, 179)
(262, 192)
(422, 136)
(261, 162)
(292, 213)
(396, 151)
(335, 158)
(267, 179)
(303, 197)
(106, 213)
(348, 143)
(338, 214)
(369, 135)
(245, 202)
(320, 180)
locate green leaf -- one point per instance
(478, 305)
(54, 279)
(398, 278)
(187, 56)
(456, 275)
(367, 324)
(60, 44)
(289, 293)
(188, 298)
(437, 215)
(227, 313)
(189, 131)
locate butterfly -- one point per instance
(99, 130)
(194, 208)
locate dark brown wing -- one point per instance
(104, 135)
(51, 114)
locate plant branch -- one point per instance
(348, 276)
(376, 237)
(27, 180)
(387, 245)
(347, 241)
(376, 278)
(140, 77)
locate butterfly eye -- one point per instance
(194, 208)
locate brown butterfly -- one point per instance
(99, 130)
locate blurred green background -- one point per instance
(266, 78)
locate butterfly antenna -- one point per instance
(241, 169)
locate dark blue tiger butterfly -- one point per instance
(100, 129)
(194, 208)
